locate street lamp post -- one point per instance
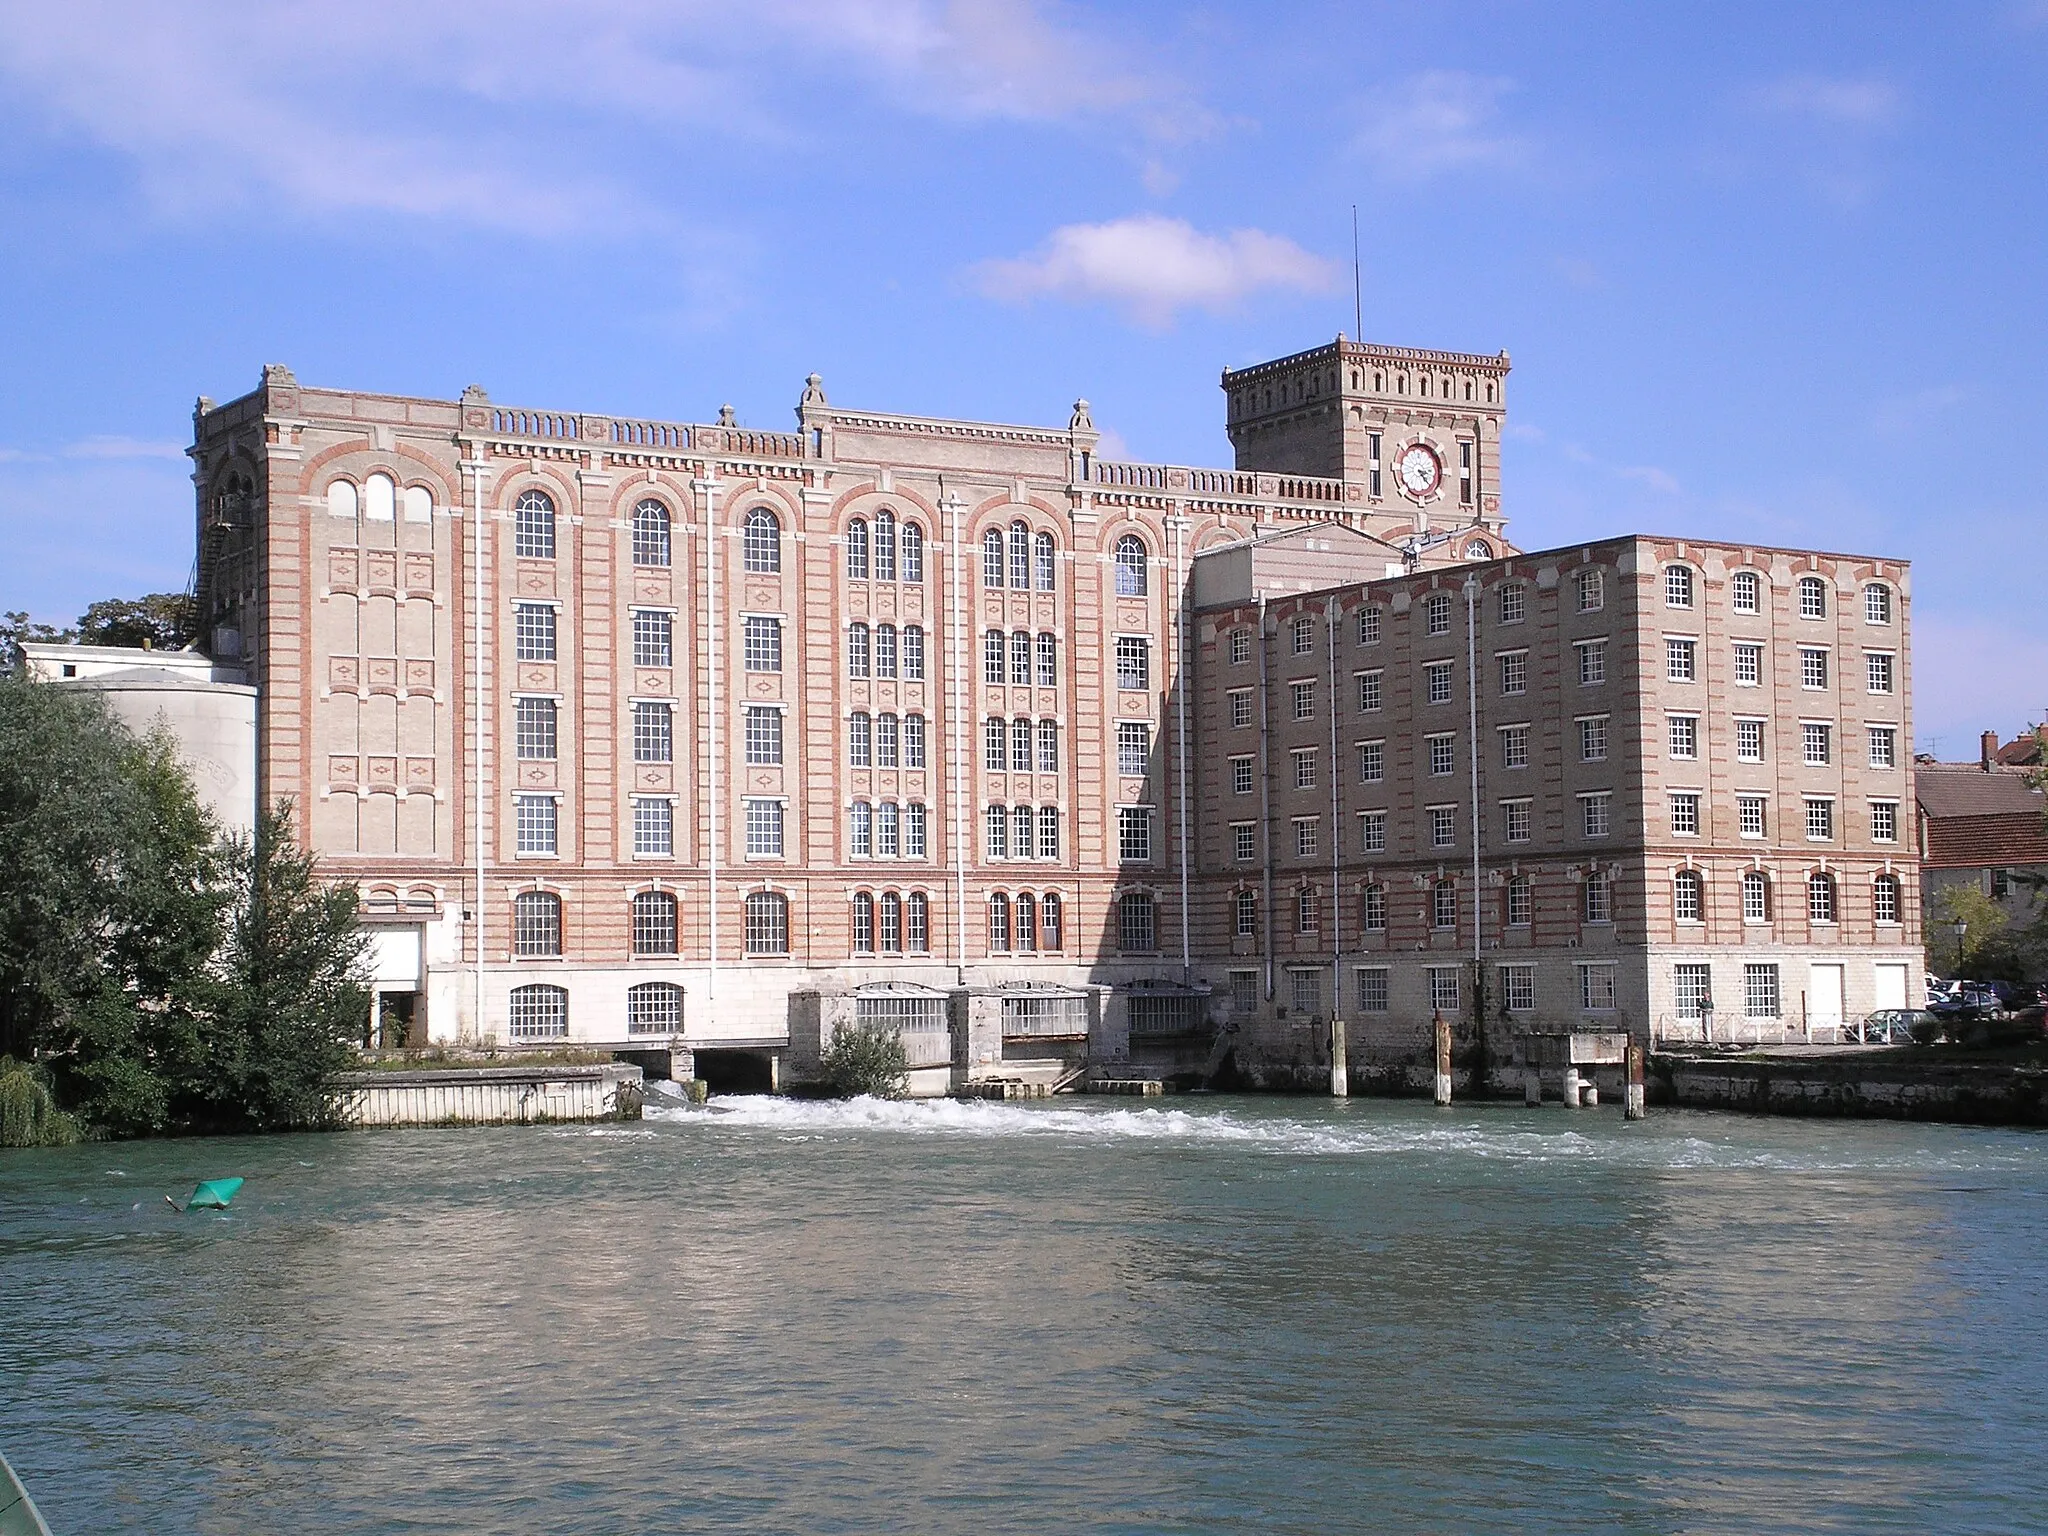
(1961, 927)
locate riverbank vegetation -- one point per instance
(158, 975)
(866, 1059)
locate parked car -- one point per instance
(1898, 1024)
(1970, 1000)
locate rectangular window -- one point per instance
(885, 650)
(535, 818)
(1515, 817)
(1514, 669)
(1305, 837)
(1596, 988)
(654, 732)
(1592, 738)
(1372, 989)
(887, 739)
(762, 644)
(1020, 745)
(764, 735)
(1372, 465)
(1438, 680)
(995, 829)
(1307, 991)
(1308, 911)
(1443, 755)
(1302, 698)
(1368, 691)
(1595, 813)
(1884, 746)
(1304, 767)
(534, 729)
(860, 739)
(1813, 667)
(1304, 636)
(1372, 761)
(1817, 741)
(1820, 820)
(1518, 988)
(1514, 599)
(1521, 902)
(860, 829)
(1760, 991)
(1369, 623)
(1685, 737)
(1134, 834)
(1749, 741)
(533, 631)
(1685, 813)
(1591, 590)
(654, 827)
(1240, 647)
(654, 638)
(1514, 746)
(1240, 708)
(1678, 660)
(1244, 840)
(1372, 909)
(913, 654)
(1884, 821)
(1749, 815)
(1240, 775)
(1690, 989)
(1592, 662)
(995, 652)
(913, 741)
(913, 836)
(1443, 990)
(1877, 604)
(1133, 662)
(1372, 831)
(1678, 586)
(1443, 826)
(1047, 665)
(764, 828)
(1595, 899)
(1878, 664)
(889, 830)
(1244, 993)
(1020, 659)
(1749, 664)
(1464, 474)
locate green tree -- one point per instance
(1984, 940)
(866, 1059)
(164, 621)
(18, 629)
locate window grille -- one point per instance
(1048, 661)
(1688, 896)
(533, 526)
(762, 542)
(1813, 598)
(763, 644)
(654, 633)
(1691, 987)
(859, 651)
(913, 553)
(1133, 662)
(767, 924)
(534, 729)
(1756, 897)
(1678, 586)
(654, 923)
(653, 732)
(1157, 1015)
(654, 827)
(1745, 592)
(764, 735)
(1131, 563)
(1372, 989)
(885, 545)
(651, 534)
(654, 1008)
(1020, 556)
(536, 819)
(1760, 991)
(1137, 929)
(857, 550)
(913, 653)
(1036, 1016)
(538, 1013)
(764, 828)
(537, 924)
(992, 558)
(860, 739)
(533, 631)
(1043, 561)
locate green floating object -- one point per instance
(213, 1194)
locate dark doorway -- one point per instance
(736, 1071)
(398, 1021)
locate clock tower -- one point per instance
(1416, 429)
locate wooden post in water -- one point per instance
(1443, 1059)
(1633, 1105)
(1340, 1067)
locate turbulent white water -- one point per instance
(1368, 1129)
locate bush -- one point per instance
(28, 1115)
(866, 1059)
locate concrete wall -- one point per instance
(491, 1096)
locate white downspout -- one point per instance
(1180, 734)
(1340, 1067)
(1472, 728)
(951, 505)
(477, 472)
(707, 491)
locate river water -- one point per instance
(1218, 1315)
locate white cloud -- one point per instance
(1863, 103)
(1152, 267)
(1903, 414)
(1660, 480)
(1441, 121)
(1826, 131)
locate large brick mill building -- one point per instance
(652, 734)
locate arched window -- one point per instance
(998, 923)
(885, 545)
(536, 923)
(538, 1013)
(1756, 896)
(1596, 899)
(1027, 922)
(1478, 549)
(654, 1008)
(1688, 897)
(1042, 562)
(533, 526)
(1745, 592)
(1308, 910)
(858, 661)
(767, 923)
(1436, 613)
(1131, 572)
(892, 923)
(341, 498)
(651, 534)
(1020, 659)
(1137, 925)
(1813, 598)
(1443, 905)
(1877, 604)
(1884, 899)
(917, 924)
(992, 558)
(1020, 746)
(763, 542)
(654, 923)
(913, 552)
(1050, 922)
(856, 550)
(1020, 556)
(993, 649)
(380, 498)
(1820, 897)
(1677, 586)
(1246, 906)
(863, 923)
(1372, 909)
(1048, 660)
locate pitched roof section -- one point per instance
(1963, 789)
(1977, 819)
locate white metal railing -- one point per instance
(1155, 1014)
(1691, 1029)
(919, 1022)
(1045, 1018)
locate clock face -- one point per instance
(1419, 470)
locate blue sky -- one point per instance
(1770, 272)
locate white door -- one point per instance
(1824, 996)
(1891, 987)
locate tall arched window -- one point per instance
(1027, 922)
(917, 923)
(536, 923)
(650, 534)
(1137, 923)
(1688, 896)
(654, 923)
(857, 550)
(763, 542)
(1745, 592)
(1246, 909)
(1051, 922)
(1884, 899)
(767, 923)
(1820, 897)
(863, 923)
(1756, 896)
(913, 552)
(533, 526)
(1443, 905)
(998, 923)
(1043, 562)
(992, 558)
(538, 1013)
(1813, 598)
(885, 545)
(654, 1008)
(1132, 578)
(1020, 556)
(892, 923)
(858, 662)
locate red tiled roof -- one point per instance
(1981, 841)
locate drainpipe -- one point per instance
(707, 491)
(1180, 734)
(1265, 800)
(474, 468)
(951, 504)
(1340, 1066)
(1472, 730)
